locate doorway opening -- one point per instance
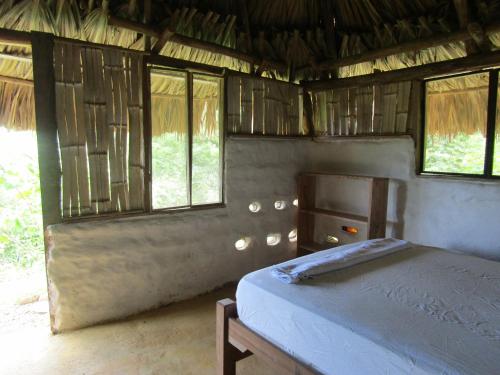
(23, 288)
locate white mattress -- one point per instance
(419, 311)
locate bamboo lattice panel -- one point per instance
(370, 110)
(100, 128)
(264, 107)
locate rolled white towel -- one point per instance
(336, 258)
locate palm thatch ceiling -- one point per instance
(286, 39)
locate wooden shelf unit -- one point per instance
(375, 219)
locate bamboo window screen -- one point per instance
(264, 107)
(371, 110)
(100, 128)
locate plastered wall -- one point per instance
(459, 214)
(105, 270)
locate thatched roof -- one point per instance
(457, 105)
(168, 103)
(299, 34)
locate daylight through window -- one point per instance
(459, 132)
(186, 139)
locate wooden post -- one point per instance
(46, 127)
(226, 358)
(491, 123)
(46, 133)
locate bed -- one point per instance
(418, 311)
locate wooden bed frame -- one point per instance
(235, 341)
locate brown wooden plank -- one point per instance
(62, 128)
(415, 108)
(246, 105)
(89, 121)
(389, 109)
(403, 106)
(233, 104)
(282, 362)
(123, 130)
(378, 103)
(343, 112)
(72, 146)
(352, 112)
(102, 147)
(364, 109)
(377, 217)
(112, 113)
(139, 112)
(306, 194)
(295, 110)
(308, 112)
(82, 159)
(226, 359)
(333, 213)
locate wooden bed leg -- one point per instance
(226, 354)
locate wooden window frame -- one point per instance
(159, 62)
(487, 174)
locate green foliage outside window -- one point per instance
(21, 237)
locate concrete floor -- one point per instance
(178, 339)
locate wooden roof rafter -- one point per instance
(462, 35)
(464, 18)
(168, 35)
(15, 38)
(448, 67)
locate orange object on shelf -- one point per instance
(350, 230)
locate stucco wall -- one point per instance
(105, 270)
(110, 269)
(456, 214)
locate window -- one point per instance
(186, 145)
(459, 136)
(133, 136)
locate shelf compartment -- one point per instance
(338, 214)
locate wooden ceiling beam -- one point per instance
(328, 19)
(243, 10)
(146, 17)
(448, 67)
(17, 81)
(479, 36)
(479, 40)
(463, 14)
(14, 37)
(195, 43)
(405, 47)
(165, 36)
